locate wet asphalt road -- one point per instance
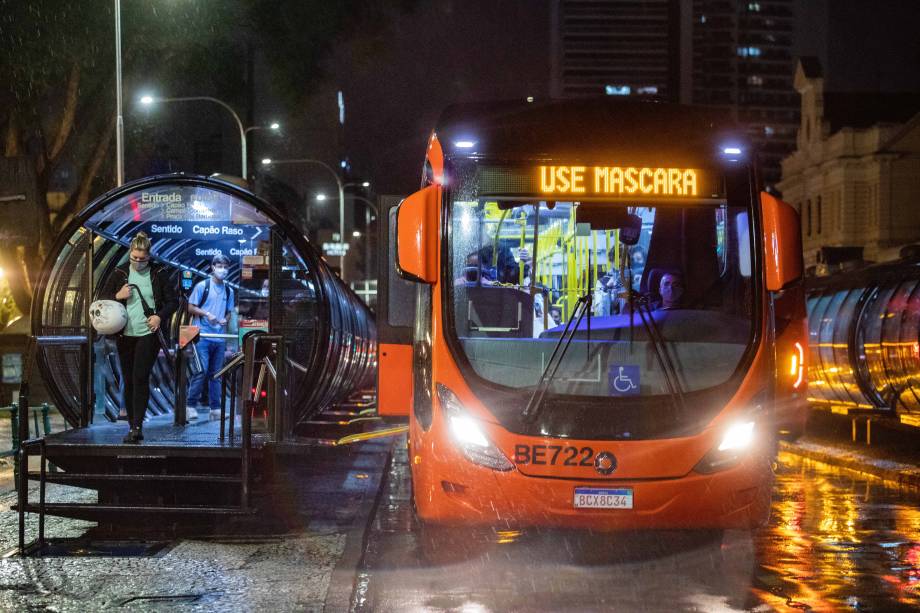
(836, 540)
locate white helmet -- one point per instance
(108, 316)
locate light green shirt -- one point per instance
(137, 321)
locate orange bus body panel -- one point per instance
(416, 235)
(782, 242)
(394, 380)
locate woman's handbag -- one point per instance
(150, 312)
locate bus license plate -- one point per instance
(603, 498)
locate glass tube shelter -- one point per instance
(281, 285)
(864, 339)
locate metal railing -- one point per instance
(229, 383)
(12, 411)
(267, 352)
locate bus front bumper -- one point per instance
(737, 497)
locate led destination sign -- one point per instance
(202, 230)
(619, 180)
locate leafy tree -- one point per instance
(59, 68)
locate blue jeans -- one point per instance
(211, 353)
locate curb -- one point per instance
(904, 475)
(343, 583)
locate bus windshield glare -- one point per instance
(676, 269)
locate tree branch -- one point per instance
(13, 138)
(68, 114)
(80, 196)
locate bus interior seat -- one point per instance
(498, 311)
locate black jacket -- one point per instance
(165, 296)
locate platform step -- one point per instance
(65, 478)
(82, 508)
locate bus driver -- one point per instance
(671, 290)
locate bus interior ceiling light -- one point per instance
(738, 436)
(465, 144)
(266, 161)
(147, 99)
(732, 150)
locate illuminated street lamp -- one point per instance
(273, 126)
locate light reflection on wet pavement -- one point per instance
(836, 541)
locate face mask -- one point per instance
(140, 266)
(220, 273)
(265, 292)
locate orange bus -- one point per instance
(609, 324)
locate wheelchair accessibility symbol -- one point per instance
(623, 380)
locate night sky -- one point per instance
(449, 51)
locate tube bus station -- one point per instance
(304, 343)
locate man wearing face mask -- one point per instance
(211, 303)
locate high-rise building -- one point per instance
(731, 54)
(743, 62)
(617, 47)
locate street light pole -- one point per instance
(339, 184)
(236, 118)
(367, 238)
(119, 120)
(274, 127)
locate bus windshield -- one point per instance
(680, 272)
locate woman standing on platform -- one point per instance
(150, 300)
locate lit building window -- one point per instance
(769, 130)
(749, 51)
(702, 18)
(754, 7)
(648, 90)
(617, 90)
(755, 79)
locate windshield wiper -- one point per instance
(582, 305)
(661, 352)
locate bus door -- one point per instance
(395, 320)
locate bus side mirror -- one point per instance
(417, 235)
(782, 242)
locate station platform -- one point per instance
(197, 438)
(183, 480)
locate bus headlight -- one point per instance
(738, 436)
(468, 436)
(736, 441)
